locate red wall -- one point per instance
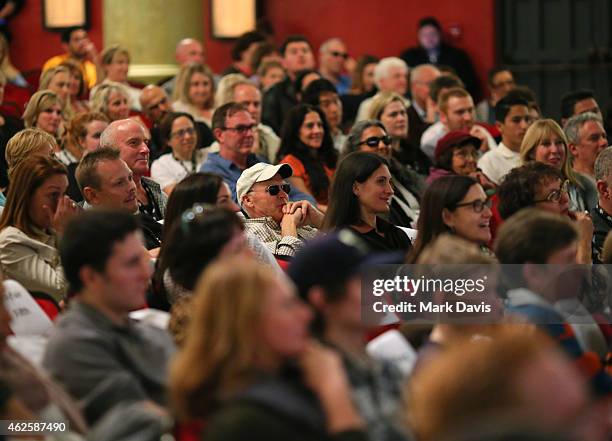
(380, 28)
(32, 45)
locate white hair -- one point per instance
(381, 71)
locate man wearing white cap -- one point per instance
(282, 226)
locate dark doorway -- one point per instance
(554, 46)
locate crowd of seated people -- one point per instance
(200, 250)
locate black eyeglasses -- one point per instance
(242, 130)
(477, 205)
(275, 189)
(339, 54)
(555, 195)
(373, 141)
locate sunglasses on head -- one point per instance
(373, 141)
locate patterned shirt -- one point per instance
(269, 232)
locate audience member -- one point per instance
(307, 146)
(500, 81)
(432, 49)
(103, 358)
(322, 93)
(280, 98)
(514, 379)
(155, 105)
(247, 392)
(334, 292)
(390, 109)
(576, 102)
(264, 52)
(131, 139)
(269, 74)
(200, 235)
(242, 54)
(537, 248)
(513, 120)
(540, 185)
(363, 76)
(106, 181)
(79, 48)
(242, 91)
(408, 186)
(586, 138)
(602, 213)
(8, 71)
(82, 137)
(456, 111)
(332, 59)
(422, 111)
(44, 112)
(111, 99)
(35, 215)
(177, 131)
(78, 87)
(57, 80)
(360, 193)
(281, 225)
(390, 75)
(195, 92)
(456, 154)
(188, 50)
(115, 62)
(233, 127)
(545, 142)
(303, 78)
(27, 143)
(457, 205)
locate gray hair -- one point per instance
(354, 137)
(416, 73)
(603, 164)
(381, 70)
(226, 86)
(326, 43)
(575, 123)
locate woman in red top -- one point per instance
(307, 146)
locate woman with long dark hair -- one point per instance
(453, 204)
(307, 146)
(361, 192)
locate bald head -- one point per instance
(154, 102)
(189, 50)
(131, 138)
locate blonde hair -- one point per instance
(23, 143)
(109, 53)
(226, 86)
(100, 95)
(220, 350)
(545, 128)
(183, 80)
(40, 101)
(45, 80)
(381, 101)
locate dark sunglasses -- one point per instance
(273, 190)
(477, 205)
(339, 54)
(373, 141)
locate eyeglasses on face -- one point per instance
(555, 195)
(477, 205)
(180, 133)
(374, 141)
(242, 130)
(275, 189)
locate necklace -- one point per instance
(182, 163)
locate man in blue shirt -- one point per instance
(234, 127)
